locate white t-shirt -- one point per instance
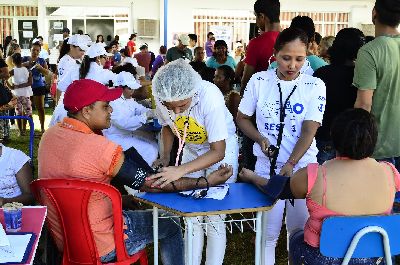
(21, 75)
(64, 65)
(261, 96)
(11, 161)
(209, 119)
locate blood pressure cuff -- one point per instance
(278, 187)
(134, 170)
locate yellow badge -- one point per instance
(196, 134)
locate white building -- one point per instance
(24, 19)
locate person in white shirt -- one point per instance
(15, 176)
(90, 68)
(71, 53)
(194, 111)
(22, 81)
(289, 108)
(127, 118)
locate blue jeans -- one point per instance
(302, 253)
(140, 233)
(325, 151)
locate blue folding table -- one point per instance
(241, 198)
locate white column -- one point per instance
(131, 27)
(41, 20)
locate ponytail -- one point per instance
(65, 48)
(85, 66)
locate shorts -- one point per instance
(24, 106)
(302, 253)
(39, 91)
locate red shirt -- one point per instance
(131, 44)
(260, 50)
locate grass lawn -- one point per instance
(240, 246)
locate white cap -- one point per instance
(126, 79)
(184, 38)
(97, 49)
(82, 41)
(237, 45)
(131, 60)
(35, 40)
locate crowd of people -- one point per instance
(311, 116)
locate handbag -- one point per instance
(5, 95)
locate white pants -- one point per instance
(214, 227)
(296, 217)
(216, 233)
(59, 112)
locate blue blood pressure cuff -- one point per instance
(278, 187)
(134, 170)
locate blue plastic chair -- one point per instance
(361, 237)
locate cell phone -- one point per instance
(33, 66)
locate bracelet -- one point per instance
(291, 162)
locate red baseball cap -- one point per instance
(83, 92)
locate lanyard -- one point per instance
(183, 138)
(282, 116)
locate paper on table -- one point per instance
(16, 251)
(3, 238)
(216, 193)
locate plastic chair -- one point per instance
(361, 237)
(78, 242)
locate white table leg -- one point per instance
(155, 234)
(189, 252)
(259, 244)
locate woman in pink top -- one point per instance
(351, 184)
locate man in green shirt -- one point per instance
(377, 77)
(180, 51)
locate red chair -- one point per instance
(69, 199)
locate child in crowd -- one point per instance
(223, 79)
(22, 81)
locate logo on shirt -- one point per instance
(195, 134)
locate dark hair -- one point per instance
(7, 41)
(2, 63)
(17, 58)
(193, 37)
(144, 46)
(388, 12)
(36, 44)
(306, 24)
(131, 37)
(220, 43)
(209, 34)
(346, 45)
(163, 49)
(85, 66)
(80, 32)
(369, 38)
(288, 35)
(107, 48)
(196, 49)
(39, 37)
(65, 48)
(270, 8)
(317, 38)
(109, 37)
(124, 52)
(228, 73)
(116, 38)
(98, 37)
(125, 68)
(354, 134)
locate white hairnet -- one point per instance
(175, 81)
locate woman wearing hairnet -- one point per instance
(194, 110)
